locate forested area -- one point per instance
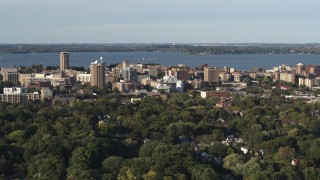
(182, 137)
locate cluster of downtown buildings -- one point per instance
(141, 77)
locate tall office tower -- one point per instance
(300, 68)
(64, 61)
(98, 74)
(211, 75)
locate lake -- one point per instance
(242, 62)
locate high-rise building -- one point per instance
(64, 61)
(300, 68)
(288, 77)
(301, 82)
(182, 74)
(130, 74)
(125, 64)
(98, 74)
(211, 75)
(226, 69)
(310, 69)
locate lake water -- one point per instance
(243, 62)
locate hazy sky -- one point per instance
(159, 21)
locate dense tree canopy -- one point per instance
(182, 137)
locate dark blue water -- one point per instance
(243, 62)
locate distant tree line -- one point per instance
(184, 48)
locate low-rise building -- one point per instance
(224, 94)
(10, 74)
(180, 86)
(55, 79)
(146, 81)
(123, 86)
(224, 76)
(163, 87)
(225, 103)
(84, 78)
(14, 98)
(33, 96)
(170, 79)
(46, 93)
(237, 76)
(198, 83)
(133, 100)
(18, 95)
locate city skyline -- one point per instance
(142, 21)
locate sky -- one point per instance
(159, 21)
